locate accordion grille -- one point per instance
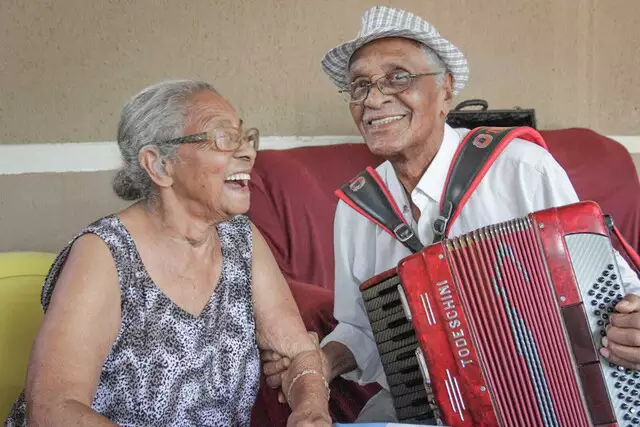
(510, 305)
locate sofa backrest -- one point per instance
(292, 204)
(292, 199)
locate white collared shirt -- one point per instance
(525, 178)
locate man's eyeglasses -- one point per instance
(389, 84)
(223, 139)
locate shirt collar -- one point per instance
(432, 182)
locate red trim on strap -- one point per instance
(631, 253)
(357, 208)
(386, 192)
(524, 132)
(453, 161)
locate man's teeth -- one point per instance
(385, 120)
(239, 177)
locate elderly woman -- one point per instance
(155, 316)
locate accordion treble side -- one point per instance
(502, 326)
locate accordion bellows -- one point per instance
(502, 326)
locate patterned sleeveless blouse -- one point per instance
(166, 366)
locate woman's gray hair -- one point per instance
(154, 115)
(437, 64)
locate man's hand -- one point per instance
(275, 366)
(622, 343)
(309, 416)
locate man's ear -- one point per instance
(447, 90)
(158, 170)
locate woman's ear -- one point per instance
(157, 169)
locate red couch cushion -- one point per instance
(601, 170)
(292, 204)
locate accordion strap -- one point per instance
(473, 158)
(628, 249)
(368, 195)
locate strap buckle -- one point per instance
(442, 220)
(403, 232)
(608, 222)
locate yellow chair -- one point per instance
(21, 277)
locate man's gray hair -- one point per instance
(154, 115)
(437, 64)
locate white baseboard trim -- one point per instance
(103, 156)
(631, 143)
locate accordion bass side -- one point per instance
(502, 326)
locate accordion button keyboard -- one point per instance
(601, 289)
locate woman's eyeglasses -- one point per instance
(223, 139)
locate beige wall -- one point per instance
(68, 66)
(43, 211)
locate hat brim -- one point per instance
(336, 62)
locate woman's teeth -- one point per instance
(385, 120)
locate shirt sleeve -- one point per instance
(555, 189)
(353, 329)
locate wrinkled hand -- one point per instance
(275, 365)
(309, 416)
(622, 342)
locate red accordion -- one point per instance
(502, 326)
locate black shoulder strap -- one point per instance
(368, 195)
(475, 155)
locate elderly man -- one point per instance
(399, 77)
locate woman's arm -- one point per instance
(280, 329)
(74, 339)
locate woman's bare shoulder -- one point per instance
(89, 269)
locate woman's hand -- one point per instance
(309, 415)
